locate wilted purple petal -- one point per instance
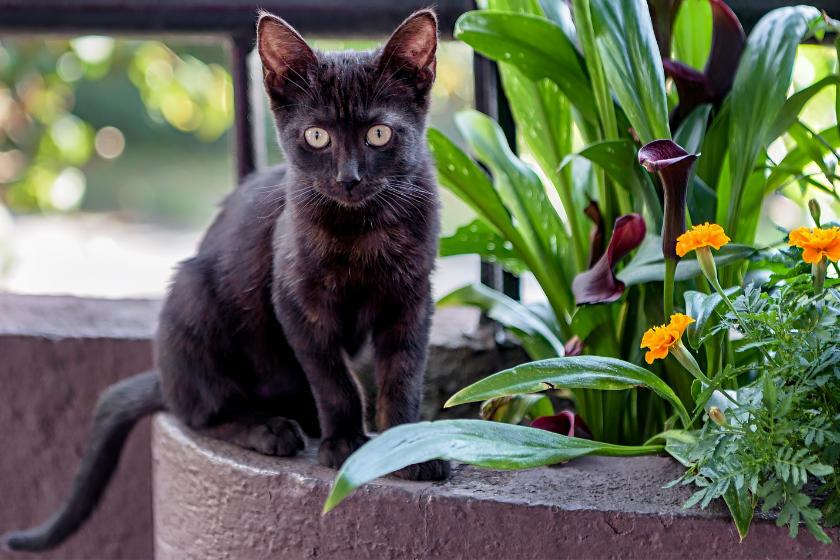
(674, 167)
(564, 423)
(728, 41)
(693, 87)
(573, 347)
(599, 284)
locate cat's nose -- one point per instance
(349, 183)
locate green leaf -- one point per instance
(478, 238)
(759, 93)
(678, 444)
(797, 158)
(620, 160)
(638, 273)
(715, 148)
(537, 337)
(702, 200)
(818, 469)
(794, 105)
(692, 35)
(536, 46)
(584, 372)
(485, 444)
(741, 507)
(632, 64)
(700, 307)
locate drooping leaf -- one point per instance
(632, 64)
(795, 103)
(536, 46)
(484, 444)
(599, 283)
(758, 95)
(588, 372)
(537, 338)
(700, 306)
(796, 159)
(687, 268)
(741, 507)
(478, 238)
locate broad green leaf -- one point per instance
(758, 95)
(480, 239)
(796, 159)
(485, 444)
(794, 105)
(751, 206)
(560, 13)
(585, 372)
(678, 444)
(537, 337)
(632, 64)
(741, 507)
(535, 45)
(692, 35)
(620, 160)
(715, 148)
(702, 202)
(700, 306)
(687, 268)
(524, 195)
(690, 135)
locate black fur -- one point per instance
(304, 262)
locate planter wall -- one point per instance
(215, 500)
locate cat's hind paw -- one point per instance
(335, 450)
(278, 436)
(436, 469)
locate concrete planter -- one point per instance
(215, 500)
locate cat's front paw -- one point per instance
(335, 450)
(436, 469)
(278, 436)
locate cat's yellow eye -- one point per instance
(378, 135)
(316, 137)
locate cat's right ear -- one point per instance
(286, 58)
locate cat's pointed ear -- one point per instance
(285, 56)
(411, 49)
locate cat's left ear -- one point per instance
(410, 51)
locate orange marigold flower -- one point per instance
(817, 244)
(705, 235)
(658, 340)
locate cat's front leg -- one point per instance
(401, 340)
(315, 338)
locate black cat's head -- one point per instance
(350, 123)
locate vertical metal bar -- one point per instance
(490, 101)
(243, 124)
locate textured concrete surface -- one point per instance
(56, 355)
(215, 500)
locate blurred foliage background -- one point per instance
(138, 131)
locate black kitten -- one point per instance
(304, 263)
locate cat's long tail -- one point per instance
(120, 407)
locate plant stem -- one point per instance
(668, 292)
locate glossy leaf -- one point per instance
(478, 238)
(715, 148)
(587, 372)
(537, 337)
(796, 159)
(700, 306)
(484, 444)
(687, 268)
(692, 33)
(758, 95)
(633, 67)
(702, 201)
(794, 105)
(536, 46)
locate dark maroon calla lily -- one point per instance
(674, 167)
(714, 83)
(663, 14)
(564, 423)
(596, 236)
(599, 284)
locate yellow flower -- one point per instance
(659, 340)
(817, 244)
(705, 235)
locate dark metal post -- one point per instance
(490, 100)
(246, 160)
